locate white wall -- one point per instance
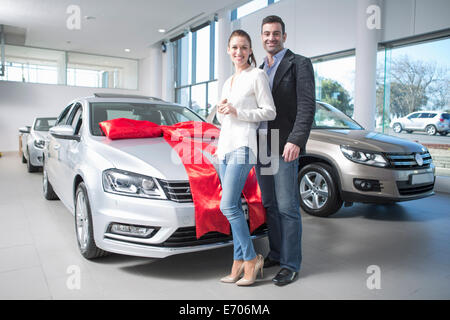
(21, 102)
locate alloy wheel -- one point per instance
(314, 190)
(82, 221)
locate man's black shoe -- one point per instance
(284, 276)
(270, 263)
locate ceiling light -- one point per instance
(127, 50)
(162, 30)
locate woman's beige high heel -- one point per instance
(229, 279)
(258, 268)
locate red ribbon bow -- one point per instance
(188, 140)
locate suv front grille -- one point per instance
(408, 160)
(406, 189)
(179, 191)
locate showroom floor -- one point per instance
(408, 242)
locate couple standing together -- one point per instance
(280, 95)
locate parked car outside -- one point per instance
(431, 122)
(127, 196)
(33, 139)
(345, 164)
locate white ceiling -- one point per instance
(118, 24)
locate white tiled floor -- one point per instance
(409, 241)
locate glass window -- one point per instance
(198, 98)
(202, 55)
(335, 82)
(44, 124)
(101, 72)
(63, 116)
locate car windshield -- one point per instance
(44, 124)
(159, 114)
(328, 117)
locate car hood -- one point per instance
(153, 157)
(366, 140)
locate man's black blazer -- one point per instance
(294, 95)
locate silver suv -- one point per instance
(431, 122)
(127, 196)
(345, 163)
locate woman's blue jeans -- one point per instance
(233, 171)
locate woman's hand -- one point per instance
(225, 107)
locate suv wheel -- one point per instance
(431, 130)
(319, 194)
(397, 127)
(83, 225)
(47, 188)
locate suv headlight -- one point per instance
(131, 184)
(38, 143)
(364, 157)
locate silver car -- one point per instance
(33, 139)
(431, 122)
(127, 196)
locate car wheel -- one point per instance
(442, 133)
(431, 130)
(319, 194)
(397, 127)
(47, 188)
(83, 225)
(30, 167)
(24, 160)
(409, 131)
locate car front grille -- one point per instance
(178, 191)
(186, 236)
(408, 161)
(406, 189)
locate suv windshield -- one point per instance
(159, 114)
(44, 124)
(328, 117)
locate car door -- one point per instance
(53, 152)
(67, 161)
(421, 120)
(411, 121)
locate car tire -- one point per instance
(24, 160)
(443, 133)
(409, 131)
(431, 130)
(30, 167)
(319, 191)
(397, 127)
(84, 227)
(47, 188)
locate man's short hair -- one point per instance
(274, 19)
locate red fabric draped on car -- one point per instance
(192, 142)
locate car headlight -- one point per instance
(38, 143)
(364, 157)
(131, 184)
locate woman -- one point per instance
(246, 100)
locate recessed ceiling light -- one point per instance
(127, 50)
(162, 30)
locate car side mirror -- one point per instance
(64, 132)
(24, 129)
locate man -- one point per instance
(292, 82)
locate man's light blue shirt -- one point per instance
(271, 73)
